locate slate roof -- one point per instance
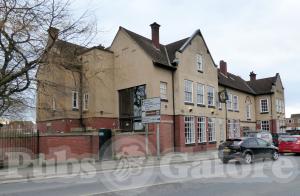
(263, 86)
(173, 47)
(234, 82)
(255, 87)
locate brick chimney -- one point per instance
(252, 76)
(155, 34)
(223, 67)
(52, 35)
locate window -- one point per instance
(130, 108)
(277, 105)
(53, 104)
(248, 111)
(75, 99)
(234, 128)
(200, 94)
(85, 101)
(210, 96)
(201, 129)
(264, 105)
(199, 62)
(189, 129)
(163, 91)
(265, 125)
(211, 130)
(188, 91)
(229, 102)
(261, 143)
(235, 103)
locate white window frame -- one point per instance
(200, 93)
(201, 122)
(211, 129)
(277, 103)
(233, 128)
(209, 97)
(188, 90)
(163, 89)
(199, 62)
(265, 125)
(261, 106)
(189, 129)
(75, 97)
(229, 102)
(85, 101)
(235, 102)
(248, 112)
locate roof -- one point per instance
(256, 87)
(166, 53)
(234, 82)
(263, 86)
(158, 56)
(295, 115)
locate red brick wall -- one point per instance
(71, 146)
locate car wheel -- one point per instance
(275, 155)
(225, 161)
(248, 158)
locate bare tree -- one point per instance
(24, 43)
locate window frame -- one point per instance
(75, 99)
(208, 95)
(199, 62)
(198, 93)
(53, 104)
(248, 112)
(163, 95)
(86, 101)
(267, 105)
(201, 120)
(189, 129)
(229, 102)
(186, 82)
(211, 130)
(235, 105)
(266, 125)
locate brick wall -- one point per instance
(62, 146)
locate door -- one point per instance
(253, 146)
(105, 147)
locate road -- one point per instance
(208, 177)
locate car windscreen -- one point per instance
(288, 139)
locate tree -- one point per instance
(25, 43)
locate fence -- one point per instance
(14, 141)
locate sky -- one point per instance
(254, 35)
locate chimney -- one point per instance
(223, 67)
(252, 76)
(52, 35)
(155, 34)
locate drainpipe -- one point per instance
(81, 121)
(271, 106)
(173, 97)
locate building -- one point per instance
(92, 88)
(293, 123)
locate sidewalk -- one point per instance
(38, 172)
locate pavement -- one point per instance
(14, 174)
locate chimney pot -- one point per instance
(252, 76)
(155, 34)
(223, 67)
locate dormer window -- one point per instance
(199, 62)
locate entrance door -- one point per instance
(105, 147)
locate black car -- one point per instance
(246, 150)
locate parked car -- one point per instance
(247, 150)
(289, 144)
(265, 135)
(276, 137)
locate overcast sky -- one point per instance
(258, 35)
